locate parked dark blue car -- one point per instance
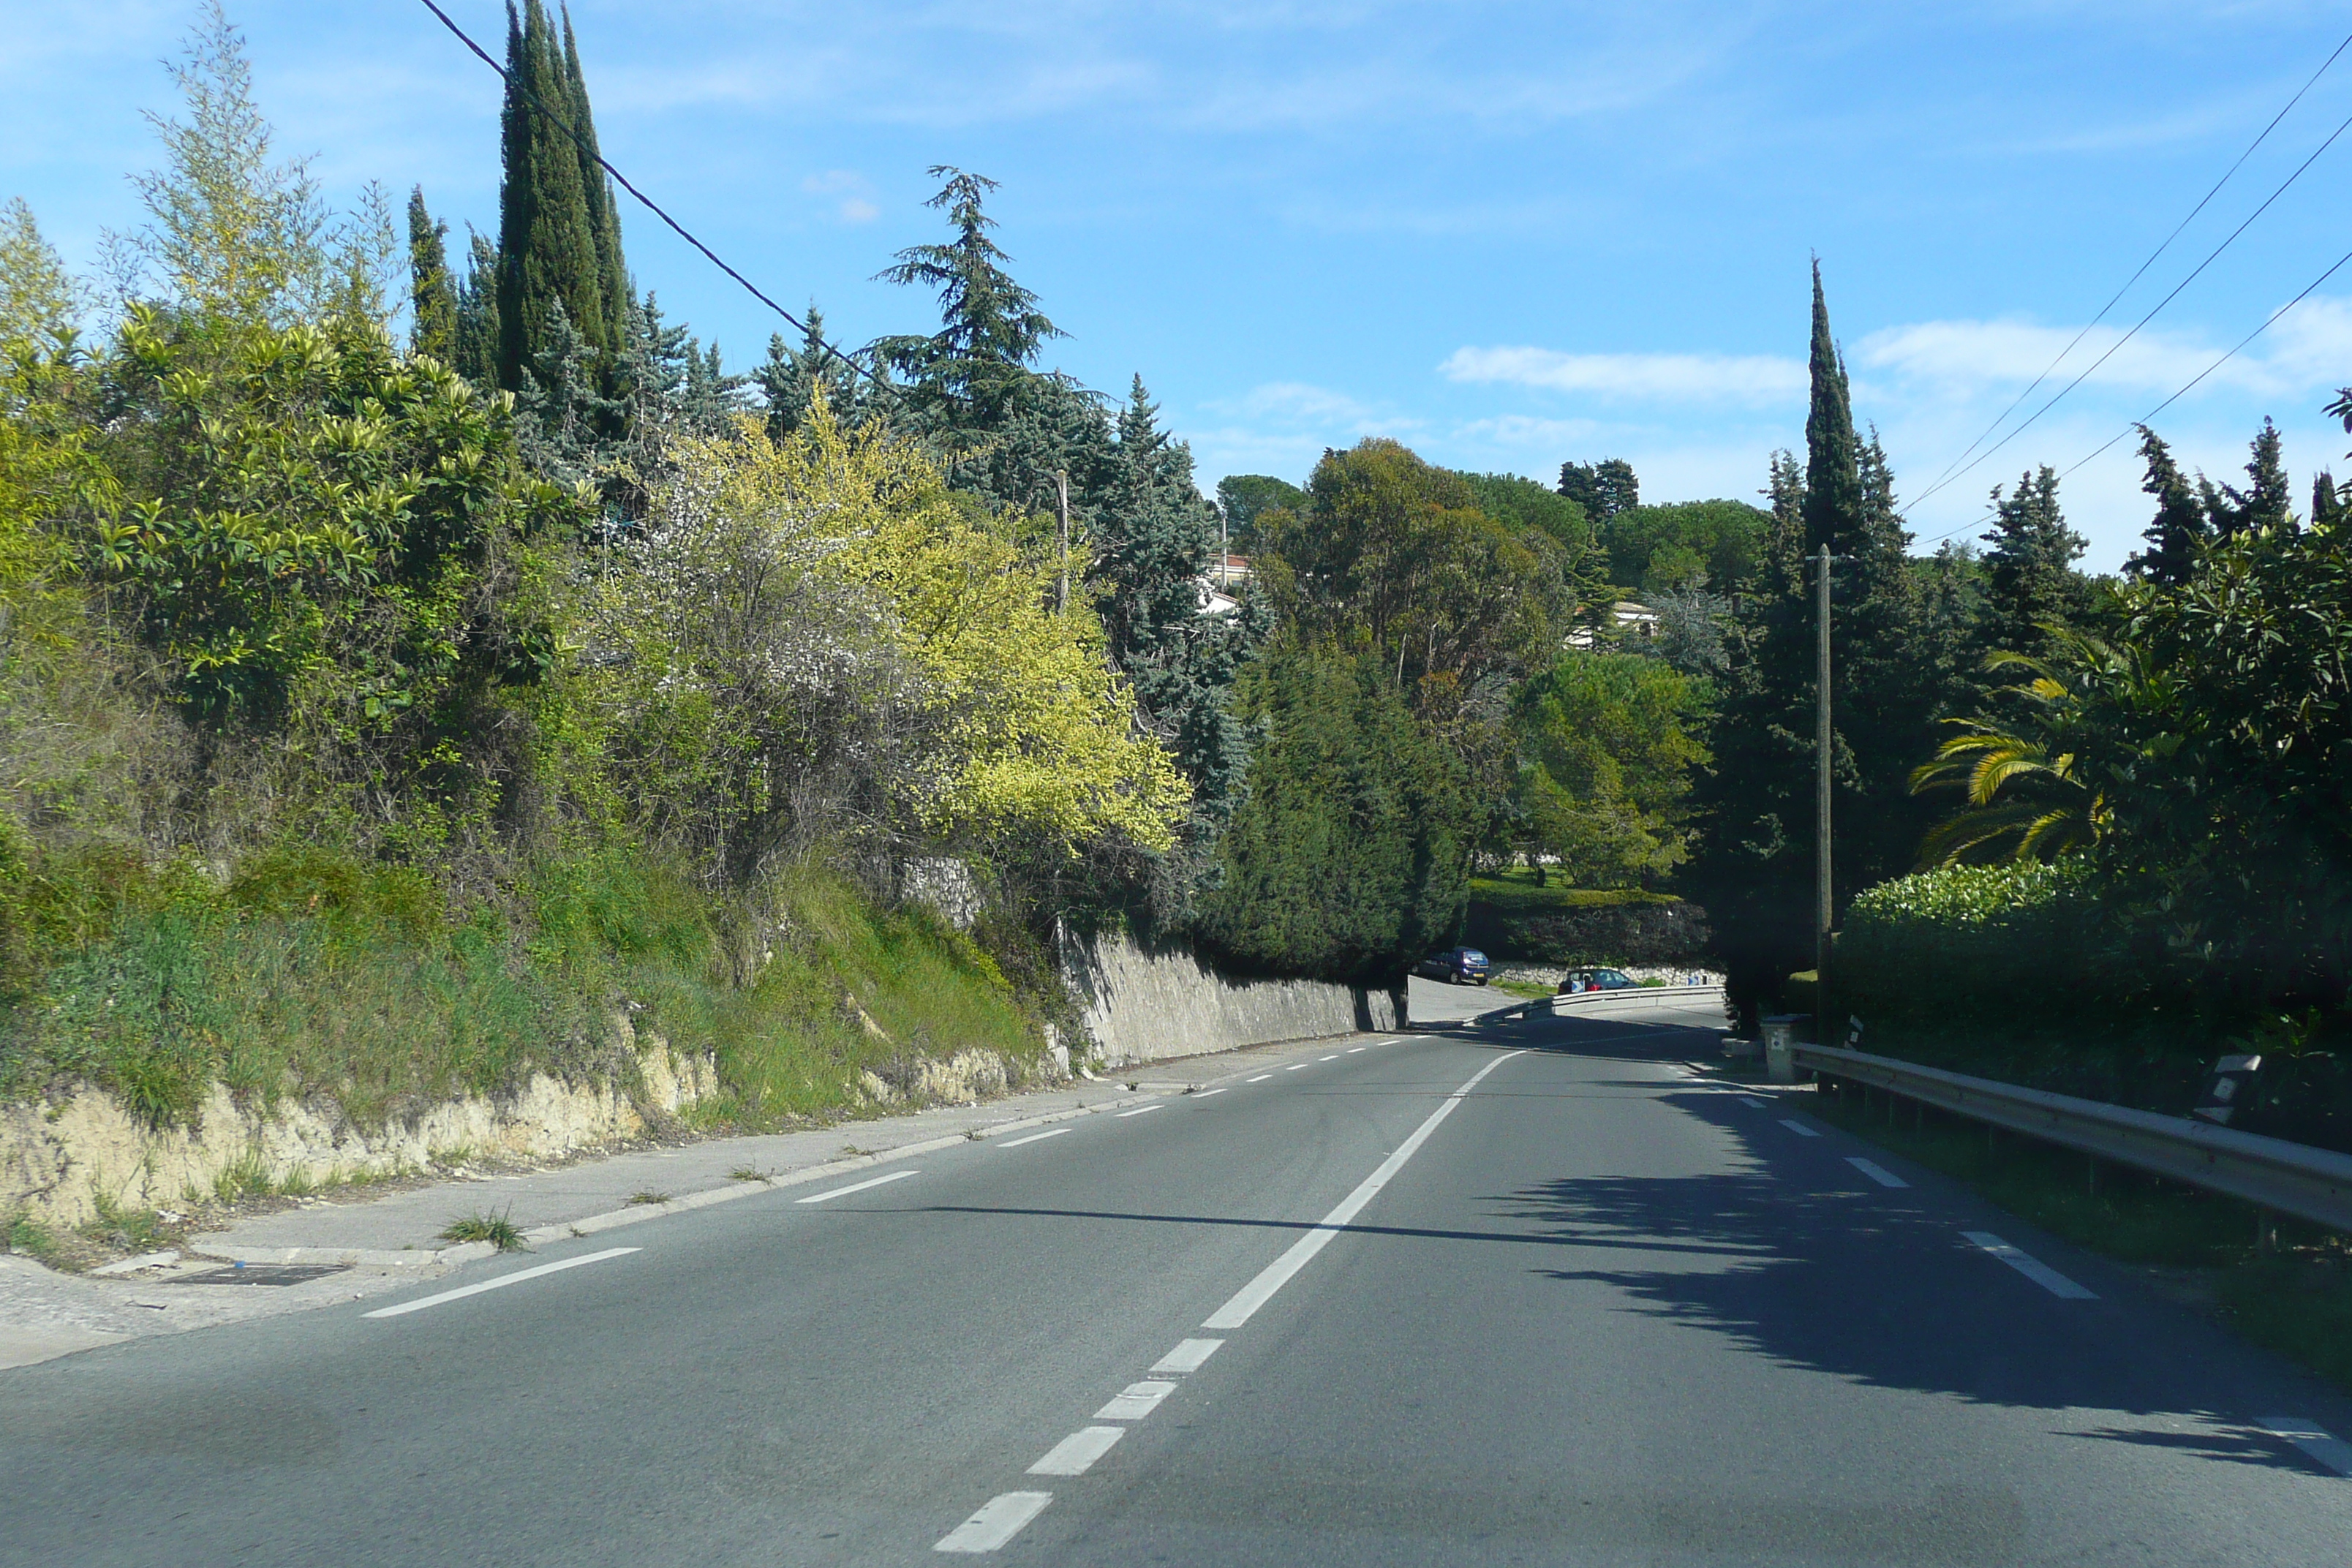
(1459, 965)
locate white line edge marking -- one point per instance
(1206, 1092)
(2032, 1268)
(2313, 1439)
(1296, 1066)
(1035, 1137)
(1259, 1079)
(1332, 1058)
(1139, 1110)
(1076, 1454)
(857, 1186)
(1187, 1356)
(1875, 1172)
(1754, 1104)
(1352, 1050)
(999, 1519)
(1278, 1273)
(1799, 1128)
(517, 1277)
(1137, 1400)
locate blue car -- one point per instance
(1455, 965)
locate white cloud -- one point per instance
(1714, 378)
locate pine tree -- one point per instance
(562, 415)
(792, 378)
(1603, 489)
(603, 207)
(2267, 501)
(547, 245)
(2030, 569)
(433, 295)
(2182, 522)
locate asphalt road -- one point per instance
(1589, 1309)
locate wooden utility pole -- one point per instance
(1062, 512)
(1824, 896)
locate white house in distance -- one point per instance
(1632, 620)
(1223, 573)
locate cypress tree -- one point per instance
(546, 245)
(2182, 519)
(2327, 501)
(474, 345)
(1832, 505)
(603, 208)
(433, 294)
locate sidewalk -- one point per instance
(370, 1242)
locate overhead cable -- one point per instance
(622, 181)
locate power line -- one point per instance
(2202, 203)
(650, 204)
(2020, 429)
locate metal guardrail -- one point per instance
(2292, 1178)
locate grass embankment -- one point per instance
(2290, 1290)
(309, 975)
(1515, 891)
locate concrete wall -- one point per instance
(1143, 1004)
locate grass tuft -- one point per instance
(496, 1229)
(648, 1196)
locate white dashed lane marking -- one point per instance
(2032, 1268)
(1076, 1454)
(2313, 1439)
(1259, 1079)
(1137, 1401)
(1035, 1137)
(1000, 1519)
(857, 1186)
(1754, 1104)
(1186, 1357)
(1875, 1172)
(1296, 1066)
(1206, 1092)
(1139, 1110)
(1799, 1128)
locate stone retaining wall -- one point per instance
(1143, 1004)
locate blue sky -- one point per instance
(1508, 234)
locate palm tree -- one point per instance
(2025, 798)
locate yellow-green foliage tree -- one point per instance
(817, 640)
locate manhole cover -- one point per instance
(261, 1274)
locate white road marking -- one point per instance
(1296, 1066)
(2032, 1268)
(1278, 1273)
(1352, 1050)
(858, 1186)
(1754, 1104)
(1137, 1401)
(1139, 1110)
(1035, 1137)
(1875, 1172)
(2313, 1438)
(1799, 1128)
(1076, 1454)
(1206, 1092)
(1332, 1058)
(500, 1283)
(1187, 1356)
(1000, 1519)
(1259, 1079)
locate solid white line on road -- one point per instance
(1259, 1079)
(2032, 1268)
(1139, 1110)
(1000, 1519)
(1352, 1050)
(1206, 1092)
(1137, 1401)
(1035, 1137)
(1754, 1104)
(2310, 1438)
(1799, 1128)
(501, 1282)
(1875, 1172)
(1296, 1066)
(858, 1186)
(1187, 1356)
(1278, 1273)
(1076, 1454)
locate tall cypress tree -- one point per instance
(474, 345)
(603, 208)
(547, 244)
(1833, 506)
(433, 294)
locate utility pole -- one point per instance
(1824, 898)
(1062, 512)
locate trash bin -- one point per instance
(1779, 1034)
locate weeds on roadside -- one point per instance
(648, 1196)
(746, 1173)
(496, 1229)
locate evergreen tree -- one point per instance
(1603, 489)
(603, 207)
(474, 342)
(2327, 501)
(547, 241)
(2267, 501)
(2182, 522)
(432, 296)
(1832, 505)
(2031, 579)
(791, 379)
(562, 415)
